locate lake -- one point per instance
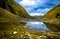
(37, 26)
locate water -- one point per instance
(13, 30)
(37, 26)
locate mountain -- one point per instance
(11, 11)
(37, 17)
(6, 15)
(14, 8)
(53, 16)
(54, 13)
(52, 19)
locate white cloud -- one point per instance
(30, 22)
(35, 22)
(32, 3)
(40, 12)
(36, 14)
(27, 2)
(29, 9)
(30, 6)
(43, 10)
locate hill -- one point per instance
(52, 18)
(54, 13)
(14, 8)
(6, 15)
(11, 11)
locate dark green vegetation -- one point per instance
(53, 19)
(53, 14)
(37, 17)
(6, 15)
(10, 10)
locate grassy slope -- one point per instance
(53, 27)
(7, 30)
(10, 10)
(15, 8)
(6, 15)
(52, 13)
(53, 21)
(53, 16)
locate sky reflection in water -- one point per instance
(37, 26)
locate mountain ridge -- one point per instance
(53, 12)
(14, 8)
(53, 19)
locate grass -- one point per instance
(6, 15)
(10, 10)
(14, 8)
(8, 29)
(53, 27)
(8, 34)
(52, 13)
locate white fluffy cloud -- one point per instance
(27, 2)
(37, 7)
(34, 22)
(40, 12)
(31, 2)
(36, 14)
(43, 10)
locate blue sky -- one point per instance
(38, 7)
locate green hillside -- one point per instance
(14, 8)
(6, 15)
(53, 14)
(52, 19)
(11, 11)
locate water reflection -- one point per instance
(37, 26)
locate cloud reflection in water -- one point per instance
(37, 26)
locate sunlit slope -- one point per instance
(6, 15)
(11, 11)
(14, 8)
(53, 27)
(52, 19)
(53, 14)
